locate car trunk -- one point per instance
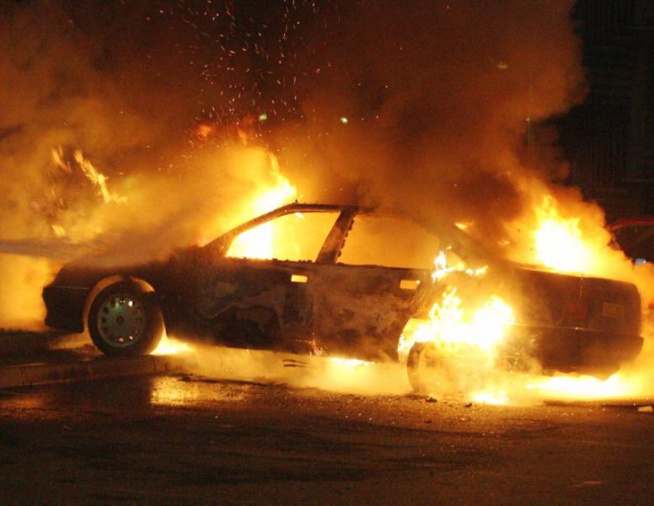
(571, 323)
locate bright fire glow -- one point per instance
(529, 388)
(349, 363)
(259, 242)
(496, 398)
(170, 346)
(580, 387)
(443, 266)
(492, 319)
(452, 324)
(559, 242)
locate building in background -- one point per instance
(609, 140)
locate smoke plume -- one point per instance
(436, 108)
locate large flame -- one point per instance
(97, 178)
(459, 327)
(558, 241)
(455, 325)
(260, 242)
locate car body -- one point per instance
(344, 281)
(635, 236)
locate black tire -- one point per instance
(125, 321)
(447, 370)
(424, 365)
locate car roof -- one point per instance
(464, 245)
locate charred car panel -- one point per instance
(331, 301)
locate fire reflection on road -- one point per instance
(204, 364)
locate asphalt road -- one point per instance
(186, 439)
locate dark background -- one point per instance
(609, 139)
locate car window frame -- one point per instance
(330, 248)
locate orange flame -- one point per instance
(171, 346)
(452, 324)
(259, 242)
(98, 179)
(559, 243)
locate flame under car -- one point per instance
(341, 281)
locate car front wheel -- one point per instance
(125, 320)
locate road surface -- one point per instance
(183, 438)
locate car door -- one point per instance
(364, 294)
(256, 294)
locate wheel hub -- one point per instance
(121, 320)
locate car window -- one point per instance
(389, 242)
(294, 237)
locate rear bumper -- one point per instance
(574, 349)
(65, 307)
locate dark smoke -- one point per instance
(447, 103)
(433, 107)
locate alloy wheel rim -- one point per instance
(121, 320)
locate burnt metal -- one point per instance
(566, 322)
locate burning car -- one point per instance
(635, 236)
(347, 281)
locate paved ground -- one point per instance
(180, 439)
(225, 427)
(33, 358)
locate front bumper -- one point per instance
(65, 307)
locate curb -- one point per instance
(18, 342)
(98, 368)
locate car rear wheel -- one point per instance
(446, 370)
(125, 320)
(424, 366)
